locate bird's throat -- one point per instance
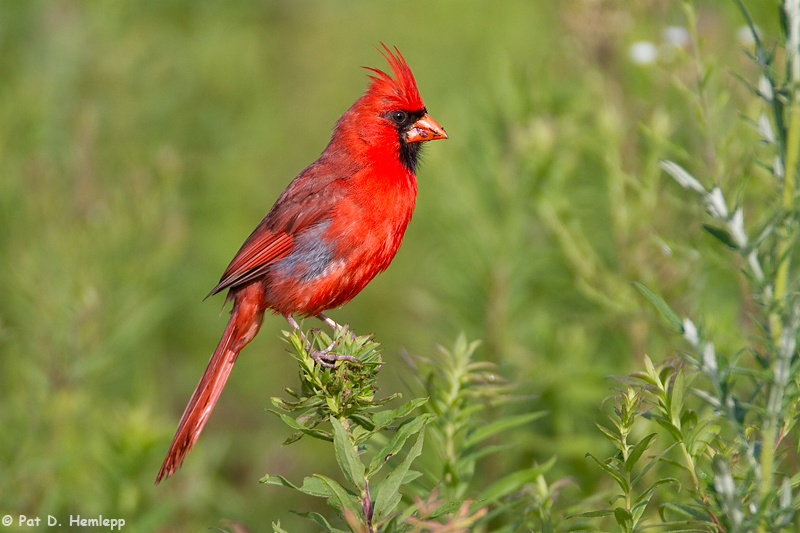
(409, 154)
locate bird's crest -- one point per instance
(402, 88)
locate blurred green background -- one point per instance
(141, 142)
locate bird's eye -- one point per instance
(399, 117)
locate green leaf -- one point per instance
(311, 486)
(676, 398)
(386, 500)
(294, 424)
(315, 487)
(688, 419)
(654, 461)
(646, 495)
(384, 418)
(278, 480)
(514, 481)
(700, 436)
(662, 306)
(695, 512)
(504, 423)
(410, 476)
(397, 441)
(347, 455)
(647, 378)
(596, 514)
(721, 235)
(623, 484)
(655, 380)
(623, 518)
(669, 426)
(610, 435)
(637, 451)
(339, 498)
(643, 500)
(319, 519)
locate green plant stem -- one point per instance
(787, 203)
(455, 376)
(792, 9)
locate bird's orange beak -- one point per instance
(425, 129)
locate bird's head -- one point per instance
(391, 114)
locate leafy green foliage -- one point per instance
(344, 397)
(628, 466)
(460, 390)
(731, 447)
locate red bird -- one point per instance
(336, 226)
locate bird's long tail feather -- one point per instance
(243, 325)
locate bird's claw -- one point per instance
(323, 356)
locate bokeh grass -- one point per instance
(141, 142)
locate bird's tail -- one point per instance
(242, 327)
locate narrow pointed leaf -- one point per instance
(384, 418)
(314, 486)
(610, 435)
(722, 235)
(623, 518)
(513, 482)
(596, 514)
(623, 484)
(397, 441)
(676, 398)
(662, 306)
(347, 455)
(504, 423)
(700, 436)
(319, 519)
(654, 461)
(385, 500)
(278, 480)
(339, 498)
(669, 426)
(637, 451)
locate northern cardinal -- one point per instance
(336, 226)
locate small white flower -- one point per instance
(710, 358)
(755, 266)
(716, 203)
(643, 53)
(675, 36)
(777, 167)
(690, 332)
(723, 482)
(765, 88)
(736, 227)
(765, 128)
(786, 493)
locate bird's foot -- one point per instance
(335, 326)
(323, 356)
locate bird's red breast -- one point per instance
(340, 221)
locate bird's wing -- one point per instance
(308, 200)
